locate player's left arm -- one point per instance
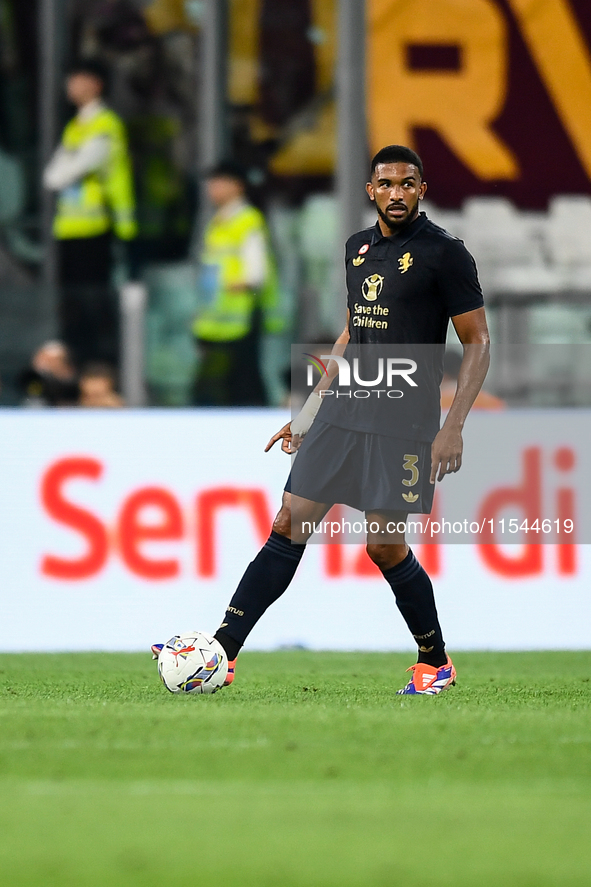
(446, 451)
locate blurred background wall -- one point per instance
(494, 94)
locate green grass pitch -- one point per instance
(308, 771)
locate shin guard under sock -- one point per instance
(265, 580)
(414, 597)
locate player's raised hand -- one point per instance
(446, 453)
(285, 436)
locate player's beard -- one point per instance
(396, 226)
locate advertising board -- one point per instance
(118, 529)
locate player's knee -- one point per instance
(386, 556)
(282, 523)
(378, 554)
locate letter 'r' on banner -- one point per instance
(460, 105)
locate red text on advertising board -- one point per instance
(132, 529)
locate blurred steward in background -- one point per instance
(97, 386)
(239, 295)
(91, 173)
(50, 380)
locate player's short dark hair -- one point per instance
(93, 66)
(397, 154)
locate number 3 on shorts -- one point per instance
(410, 464)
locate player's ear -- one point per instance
(369, 189)
(422, 189)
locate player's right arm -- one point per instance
(291, 434)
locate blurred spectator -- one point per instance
(97, 386)
(451, 368)
(91, 172)
(50, 380)
(239, 294)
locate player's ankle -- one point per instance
(434, 659)
(231, 647)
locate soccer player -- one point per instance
(406, 278)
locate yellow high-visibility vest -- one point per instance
(103, 199)
(227, 315)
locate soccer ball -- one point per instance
(192, 662)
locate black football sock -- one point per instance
(231, 646)
(414, 597)
(265, 580)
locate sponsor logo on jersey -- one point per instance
(404, 263)
(372, 287)
(410, 497)
(358, 260)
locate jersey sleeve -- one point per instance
(458, 280)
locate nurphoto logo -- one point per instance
(388, 371)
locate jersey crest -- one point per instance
(404, 263)
(372, 287)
